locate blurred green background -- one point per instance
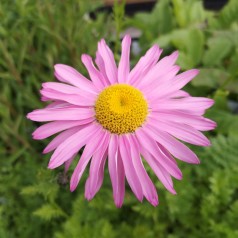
(36, 202)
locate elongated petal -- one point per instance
(144, 65)
(165, 63)
(148, 187)
(179, 94)
(179, 82)
(68, 163)
(198, 122)
(130, 172)
(186, 104)
(150, 145)
(151, 86)
(59, 114)
(91, 147)
(88, 194)
(160, 172)
(58, 104)
(175, 147)
(116, 171)
(101, 66)
(67, 89)
(94, 74)
(59, 139)
(182, 132)
(67, 74)
(52, 128)
(161, 68)
(97, 168)
(72, 145)
(124, 64)
(109, 61)
(75, 99)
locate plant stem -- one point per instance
(118, 16)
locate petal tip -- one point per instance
(85, 57)
(118, 204)
(154, 202)
(57, 66)
(45, 151)
(72, 188)
(174, 192)
(36, 136)
(29, 116)
(127, 37)
(179, 176)
(89, 197)
(196, 72)
(52, 164)
(198, 161)
(176, 53)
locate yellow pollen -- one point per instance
(121, 108)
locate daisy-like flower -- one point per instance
(126, 118)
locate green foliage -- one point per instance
(48, 212)
(206, 41)
(214, 55)
(34, 35)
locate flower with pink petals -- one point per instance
(125, 117)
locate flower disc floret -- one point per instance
(121, 108)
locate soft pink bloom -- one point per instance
(121, 115)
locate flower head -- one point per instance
(125, 118)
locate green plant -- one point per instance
(36, 202)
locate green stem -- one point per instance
(118, 15)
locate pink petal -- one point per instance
(58, 104)
(72, 145)
(88, 194)
(148, 187)
(52, 128)
(44, 99)
(150, 145)
(124, 64)
(101, 66)
(75, 99)
(162, 68)
(182, 132)
(198, 122)
(186, 104)
(130, 172)
(165, 64)
(175, 147)
(67, 74)
(59, 139)
(95, 75)
(68, 163)
(96, 172)
(177, 83)
(59, 114)
(65, 88)
(179, 94)
(160, 172)
(144, 65)
(91, 147)
(151, 85)
(116, 171)
(109, 61)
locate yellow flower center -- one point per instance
(121, 108)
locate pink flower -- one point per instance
(122, 116)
